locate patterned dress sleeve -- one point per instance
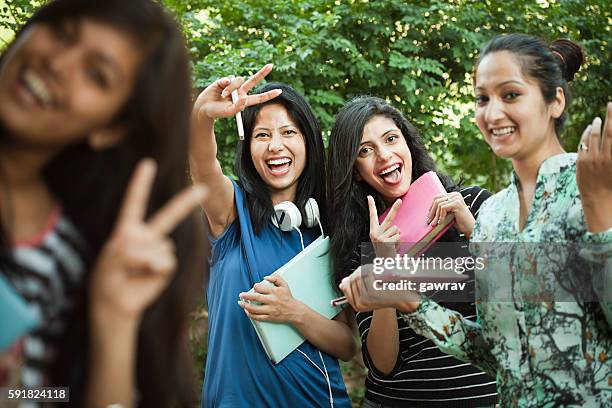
(598, 249)
(453, 334)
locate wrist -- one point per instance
(298, 313)
(408, 306)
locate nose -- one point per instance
(494, 111)
(63, 62)
(276, 143)
(384, 153)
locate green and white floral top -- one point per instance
(542, 351)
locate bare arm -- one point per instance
(383, 339)
(335, 337)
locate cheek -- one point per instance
(362, 169)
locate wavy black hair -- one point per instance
(348, 207)
(311, 183)
(90, 185)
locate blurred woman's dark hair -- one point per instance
(90, 186)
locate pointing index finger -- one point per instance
(373, 213)
(255, 79)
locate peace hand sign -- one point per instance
(386, 236)
(216, 102)
(137, 262)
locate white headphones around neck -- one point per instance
(287, 216)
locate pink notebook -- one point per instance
(415, 234)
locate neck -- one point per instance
(22, 166)
(527, 167)
(287, 194)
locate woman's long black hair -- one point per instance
(311, 183)
(90, 186)
(348, 207)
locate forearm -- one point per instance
(203, 149)
(111, 375)
(597, 213)
(383, 340)
(333, 337)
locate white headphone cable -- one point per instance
(325, 374)
(301, 237)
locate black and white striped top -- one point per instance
(50, 270)
(423, 376)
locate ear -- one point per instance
(557, 106)
(106, 138)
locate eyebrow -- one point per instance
(512, 81)
(282, 127)
(383, 135)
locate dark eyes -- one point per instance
(511, 95)
(364, 151)
(98, 77)
(480, 100)
(287, 132)
(508, 96)
(392, 138)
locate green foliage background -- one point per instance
(419, 55)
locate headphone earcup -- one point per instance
(286, 216)
(311, 213)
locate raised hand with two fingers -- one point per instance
(138, 260)
(216, 102)
(385, 237)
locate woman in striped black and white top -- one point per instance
(374, 151)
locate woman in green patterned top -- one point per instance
(544, 352)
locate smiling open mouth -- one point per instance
(391, 174)
(36, 86)
(279, 166)
(505, 131)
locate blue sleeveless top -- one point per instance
(238, 372)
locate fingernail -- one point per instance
(240, 303)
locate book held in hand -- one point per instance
(310, 278)
(16, 316)
(416, 235)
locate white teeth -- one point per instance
(503, 131)
(37, 86)
(279, 161)
(389, 169)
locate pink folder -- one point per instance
(416, 236)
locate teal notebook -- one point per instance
(309, 276)
(16, 317)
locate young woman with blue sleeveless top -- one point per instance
(281, 159)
